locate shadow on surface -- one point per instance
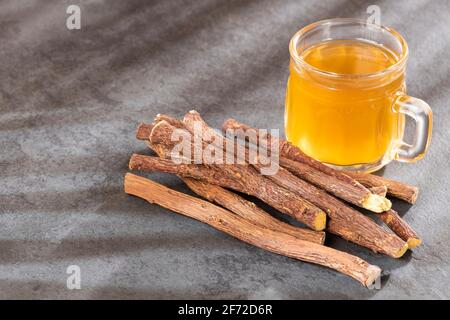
(87, 75)
(44, 251)
(35, 289)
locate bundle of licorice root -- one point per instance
(221, 166)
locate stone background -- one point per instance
(69, 105)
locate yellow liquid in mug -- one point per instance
(343, 122)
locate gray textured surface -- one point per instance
(70, 102)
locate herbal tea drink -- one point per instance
(346, 97)
(349, 124)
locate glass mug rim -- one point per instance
(302, 33)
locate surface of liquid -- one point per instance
(345, 120)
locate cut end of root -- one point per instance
(143, 131)
(376, 203)
(414, 195)
(229, 123)
(414, 243)
(373, 273)
(126, 181)
(323, 237)
(320, 222)
(132, 163)
(402, 251)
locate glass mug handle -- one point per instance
(422, 115)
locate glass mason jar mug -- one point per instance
(346, 96)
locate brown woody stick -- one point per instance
(249, 211)
(316, 172)
(246, 231)
(250, 182)
(396, 189)
(401, 228)
(143, 131)
(397, 224)
(155, 164)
